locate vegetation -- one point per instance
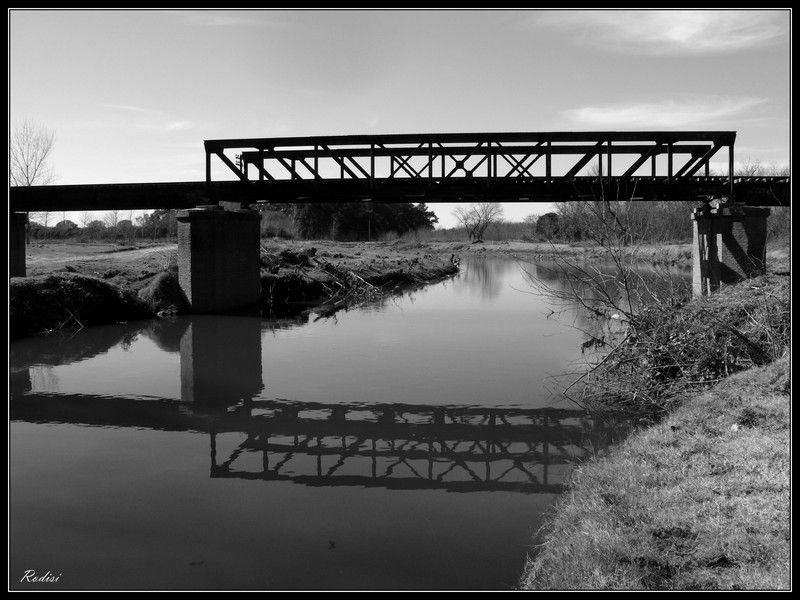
(30, 152)
(477, 218)
(669, 350)
(700, 501)
(360, 221)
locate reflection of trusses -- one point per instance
(507, 166)
(403, 446)
(397, 446)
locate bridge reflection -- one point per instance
(395, 446)
(461, 449)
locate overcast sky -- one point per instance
(131, 95)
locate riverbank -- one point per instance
(677, 254)
(700, 500)
(74, 285)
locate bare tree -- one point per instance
(477, 218)
(31, 149)
(112, 218)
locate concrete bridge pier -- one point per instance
(218, 258)
(16, 244)
(730, 244)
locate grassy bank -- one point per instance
(700, 501)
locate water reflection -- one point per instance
(393, 445)
(485, 276)
(404, 447)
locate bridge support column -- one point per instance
(218, 258)
(730, 244)
(16, 244)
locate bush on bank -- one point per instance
(672, 350)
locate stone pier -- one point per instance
(218, 258)
(730, 244)
(16, 244)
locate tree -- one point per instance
(29, 159)
(111, 218)
(477, 217)
(547, 225)
(31, 149)
(361, 220)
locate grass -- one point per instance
(700, 501)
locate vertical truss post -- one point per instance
(372, 166)
(261, 164)
(669, 162)
(608, 153)
(730, 171)
(653, 164)
(208, 166)
(600, 165)
(548, 162)
(430, 160)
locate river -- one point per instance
(410, 444)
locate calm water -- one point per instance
(401, 445)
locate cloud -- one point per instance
(669, 32)
(127, 108)
(700, 111)
(178, 125)
(226, 19)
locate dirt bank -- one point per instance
(72, 285)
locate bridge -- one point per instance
(462, 167)
(455, 167)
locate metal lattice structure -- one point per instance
(504, 166)
(456, 167)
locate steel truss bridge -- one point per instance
(510, 167)
(460, 449)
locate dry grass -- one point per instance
(700, 501)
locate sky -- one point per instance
(131, 95)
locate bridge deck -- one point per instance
(755, 191)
